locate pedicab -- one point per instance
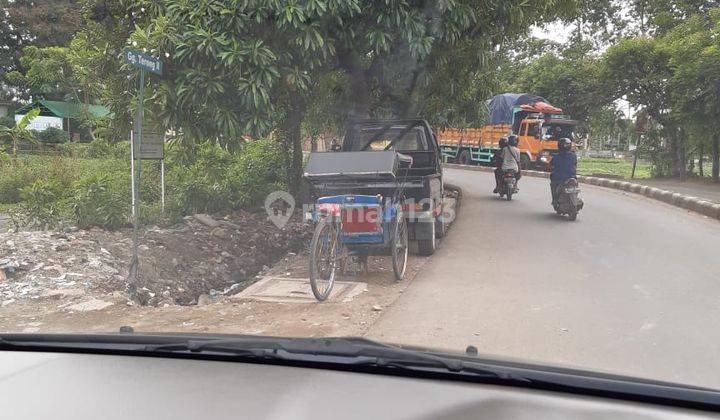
(357, 211)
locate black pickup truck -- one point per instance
(422, 183)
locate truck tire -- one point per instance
(525, 162)
(464, 157)
(429, 245)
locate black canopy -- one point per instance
(374, 164)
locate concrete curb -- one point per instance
(686, 202)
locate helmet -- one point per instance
(564, 144)
(513, 140)
(503, 142)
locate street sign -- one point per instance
(152, 145)
(143, 61)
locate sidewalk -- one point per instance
(703, 189)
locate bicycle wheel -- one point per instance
(324, 253)
(399, 247)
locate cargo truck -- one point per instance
(537, 124)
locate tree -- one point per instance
(41, 23)
(19, 133)
(639, 70)
(48, 73)
(570, 79)
(247, 68)
(695, 61)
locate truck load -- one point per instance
(536, 122)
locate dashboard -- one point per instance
(38, 385)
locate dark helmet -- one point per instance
(564, 144)
(513, 140)
(503, 142)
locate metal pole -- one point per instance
(134, 264)
(132, 170)
(162, 185)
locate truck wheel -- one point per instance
(525, 162)
(464, 158)
(428, 246)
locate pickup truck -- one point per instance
(421, 183)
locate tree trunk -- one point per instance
(681, 159)
(671, 136)
(296, 113)
(716, 159)
(359, 86)
(701, 158)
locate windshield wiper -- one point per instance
(342, 351)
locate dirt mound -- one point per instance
(188, 263)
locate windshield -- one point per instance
(332, 169)
(558, 131)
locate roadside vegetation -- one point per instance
(613, 168)
(228, 78)
(89, 185)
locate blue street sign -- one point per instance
(143, 61)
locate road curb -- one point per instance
(694, 204)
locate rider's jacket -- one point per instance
(564, 166)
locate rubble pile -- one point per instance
(45, 264)
(192, 262)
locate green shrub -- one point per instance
(42, 205)
(7, 121)
(197, 178)
(12, 179)
(260, 169)
(52, 135)
(101, 199)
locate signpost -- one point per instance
(140, 151)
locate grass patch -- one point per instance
(617, 168)
(5, 207)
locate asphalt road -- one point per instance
(631, 287)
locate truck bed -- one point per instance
(486, 137)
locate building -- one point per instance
(60, 115)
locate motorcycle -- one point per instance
(508, 186)
(568, 200)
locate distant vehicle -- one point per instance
(537, 124)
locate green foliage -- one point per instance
(196, 179)
(257, 172)
(101, 200)
(49, 72)
(7, 121)
(12, 179)
(53, 135)
(19, 132)
(616, 168)
(42, 205)
(571, 79)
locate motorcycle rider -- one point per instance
(510, 156)
(564, 166)
(497, 160)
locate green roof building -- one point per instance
(59, 115)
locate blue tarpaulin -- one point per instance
(501, 106)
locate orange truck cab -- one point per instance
(538, 126)
(538, 135)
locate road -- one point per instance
(632, 287)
